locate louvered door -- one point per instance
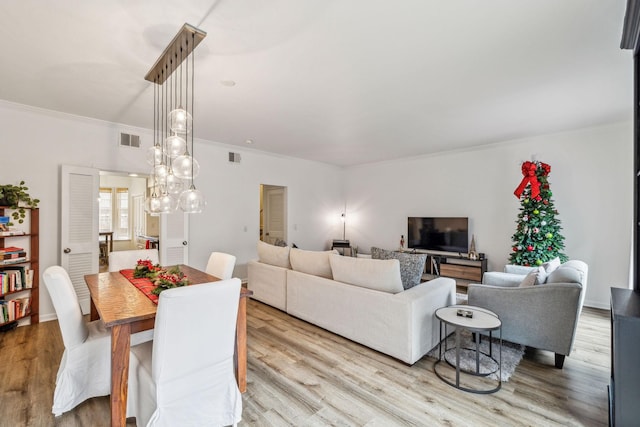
(79, 227)
(174, 232)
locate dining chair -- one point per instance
(122, 260)
(85, 368)
(221, 265)
(185, 376)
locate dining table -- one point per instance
(126, 310)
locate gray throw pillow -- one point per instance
(411, 265)
(535, 277)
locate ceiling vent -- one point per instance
(129, 140)
(234, 157)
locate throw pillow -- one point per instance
(273, 255)
(537, 276)
(565, 274)
(411, 265)
(312, 262)
(551, 266)
(376, 274)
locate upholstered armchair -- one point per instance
(543, 316)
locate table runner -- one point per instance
(143, 284)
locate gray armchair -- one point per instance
(543, 316)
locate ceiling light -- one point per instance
(249, 141)
(171, 157)
(228, 83)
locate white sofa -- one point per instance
(361, 299)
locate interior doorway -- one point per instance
(273, 214)
(123, 222)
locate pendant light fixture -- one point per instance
(171, 156)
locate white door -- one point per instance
(274, 214)
(174, 232)
(79, 226)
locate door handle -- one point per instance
(66, 250)
(184, 243)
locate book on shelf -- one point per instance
(13, 255)
(13, 278)
(7, 232)
(13, 261)
(28, 280)
(14, 309)
(10, 250)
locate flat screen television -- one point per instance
(447, 234)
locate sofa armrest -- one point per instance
(505, 280)
(268, 283)
(422, 302)
(543, 316)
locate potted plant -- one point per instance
(16, 197)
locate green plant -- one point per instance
(16, 197)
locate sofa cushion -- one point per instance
(411, 265)
(377, 274)
(311, 262)
(537, 276)
(273, 255)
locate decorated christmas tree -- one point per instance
(537, 238)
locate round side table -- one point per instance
(475, 320)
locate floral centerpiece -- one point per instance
(162, 278)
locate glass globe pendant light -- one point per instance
(168, 204)
(154, 155)
(180, 121)
(171, 157)
(152, 204)
(173, 184)
(192, 200)
(174, 146)
(186, 167)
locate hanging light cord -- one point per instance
(193, 84)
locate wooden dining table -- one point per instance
(127, 310)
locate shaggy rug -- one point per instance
(511, 355)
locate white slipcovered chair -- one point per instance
(221, 265)
(185, 377)
(85, 368)
(122, 260)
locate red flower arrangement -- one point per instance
(162, 278)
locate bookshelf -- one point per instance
(27, 238)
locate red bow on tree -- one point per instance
(529, 172)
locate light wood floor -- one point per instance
(300, 375)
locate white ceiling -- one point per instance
(343, 82)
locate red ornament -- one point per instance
(549, 248)
(546, 202)
(529, 248)
(515, 249)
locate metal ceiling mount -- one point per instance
(172, 57)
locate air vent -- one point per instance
(234, 157)
(128, 140)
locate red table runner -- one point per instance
(143, 284)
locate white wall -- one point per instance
(35, 143)
(591, 180)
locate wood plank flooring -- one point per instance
(301, 375)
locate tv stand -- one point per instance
(455, 266)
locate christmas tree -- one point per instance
(537, 238)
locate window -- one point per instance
(114, 212)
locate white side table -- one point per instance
(482, 320)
